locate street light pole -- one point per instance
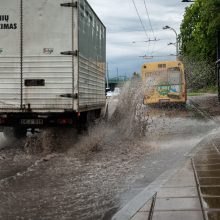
(177, 42)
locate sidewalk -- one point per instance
(191, 192)
(179, 198)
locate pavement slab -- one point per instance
(141, 216)
(178, 215)
(175, 192)
(186, 181)
(177, 204)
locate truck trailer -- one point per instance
(52, 64)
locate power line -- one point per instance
(134, 42)
(140, 19)
(151, 27)
(145, 4)
(151, 57)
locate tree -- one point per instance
(198, 34)
(199, 30)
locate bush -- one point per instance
(199, 74)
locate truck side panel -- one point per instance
(92, 58)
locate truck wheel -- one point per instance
(20, 133)
(14, 132)
(82, 123)
(106, 115)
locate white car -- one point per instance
(109, 94)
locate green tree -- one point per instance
(199, 30)
(198, 35)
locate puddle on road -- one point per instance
(13, 159)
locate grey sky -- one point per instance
(123, 27)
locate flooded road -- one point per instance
(99, 172)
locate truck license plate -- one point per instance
(32, 121)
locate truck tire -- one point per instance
(106, 115)
(13, 132)
(82, 123)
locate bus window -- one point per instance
(174, 75)
(160, 66)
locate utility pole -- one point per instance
(107, 76)
(218, 47)
(218, 63)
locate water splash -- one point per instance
(130, 116)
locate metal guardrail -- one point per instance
(151, 213)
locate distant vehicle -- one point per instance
(52, 64)
(116, 92)
(164, 82)
(109, 94)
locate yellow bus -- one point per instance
(164, 82)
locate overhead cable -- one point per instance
(151, 27)
(141, 22)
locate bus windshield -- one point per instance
(174, 76)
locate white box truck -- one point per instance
(52, 64)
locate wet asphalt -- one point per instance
(99, 172)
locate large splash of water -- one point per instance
(130, 116)
(129, 120)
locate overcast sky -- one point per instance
(123, 28)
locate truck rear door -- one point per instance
(10, 69)
(33, 72)
(47, 75)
